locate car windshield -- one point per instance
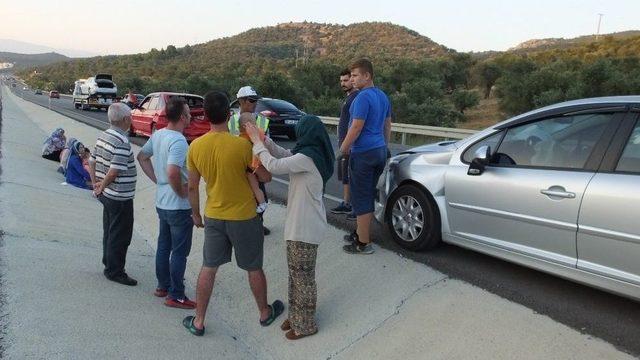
(281, 105)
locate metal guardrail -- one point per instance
(404, 129)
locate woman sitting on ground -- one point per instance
(76, 174)
(309, 166)
(54, 145)
(64, 156)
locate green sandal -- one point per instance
(277, 308)
(188, 323)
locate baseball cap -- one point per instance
(247, 92)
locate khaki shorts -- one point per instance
(245, 237)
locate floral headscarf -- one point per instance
(55, 142)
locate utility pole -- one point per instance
(599, 22)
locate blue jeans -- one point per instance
(174, 245)
(365, 169)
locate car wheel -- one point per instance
(413, 219)
(77, 106)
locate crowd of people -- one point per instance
(235, 159)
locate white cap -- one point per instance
(247, 92)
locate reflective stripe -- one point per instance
(262, 122)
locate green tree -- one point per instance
(464, 99)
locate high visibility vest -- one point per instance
(262, 122)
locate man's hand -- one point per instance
(98, 188)
(197, 220)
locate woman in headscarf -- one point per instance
(309, 165)
(76, 174)
(54, 145)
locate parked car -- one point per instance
(54, 94)
(38, 92)
(150, 115)
(283, 115)
(554, 189)
(126, 100)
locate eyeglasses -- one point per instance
(252, 100)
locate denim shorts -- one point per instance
(366, 167)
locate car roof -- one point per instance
(173, 94)
(617, 103)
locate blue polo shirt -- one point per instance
(371, 105)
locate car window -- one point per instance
(491, 141)
(153, 104)
(559, 142)
(630, 159)
(192, 101)
(145, 104)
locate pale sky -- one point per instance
(121, 27)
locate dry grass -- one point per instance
(484, 115)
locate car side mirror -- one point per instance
(480, 160)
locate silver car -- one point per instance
(556, 189)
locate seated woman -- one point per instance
(64, 156)
(54, 145)
(76, 174)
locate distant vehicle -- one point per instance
(95, 92)
(126, 100)
(283, 115)
(54, 94)
(555, 189)
(38, 92)
(150, 115)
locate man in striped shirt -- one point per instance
(113, 174)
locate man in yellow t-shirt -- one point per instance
(230, 219)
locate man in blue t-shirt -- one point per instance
(366, 143)
(163, 160)
(343, 126)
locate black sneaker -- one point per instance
(352, 237)
(357, 248)
(343, 208)
(352, 217)
(123, 279)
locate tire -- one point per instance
(424, 219)
(76, 105)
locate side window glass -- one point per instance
(630, 159)
(153, 105)
(145, 103)
(560, 142)
(491, 141)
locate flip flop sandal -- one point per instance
(277, 308)
(188, 323)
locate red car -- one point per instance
(54, 94)
(150, 115)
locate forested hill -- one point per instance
(22, 61)
(335, 43)
(427, 83)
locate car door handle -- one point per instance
(560, 194)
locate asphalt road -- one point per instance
(610, 317)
